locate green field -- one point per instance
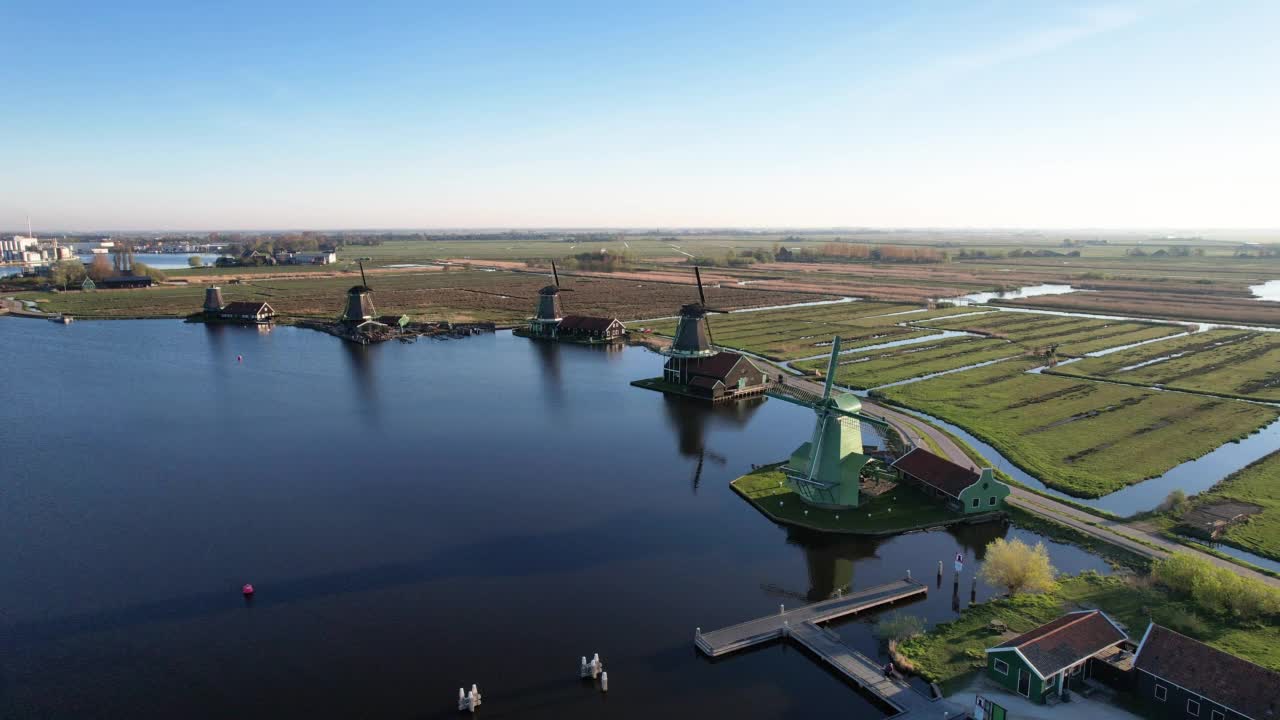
(952, 652)
(804, 332)
(873, 368)
(1085, 438)
(1073, 336)
(1239, 363)
(1258, 483)
(456, 295)
(900, 509)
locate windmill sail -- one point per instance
(831, 367)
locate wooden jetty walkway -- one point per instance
(802, 625)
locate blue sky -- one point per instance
(174, 115)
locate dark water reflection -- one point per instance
(415, 517)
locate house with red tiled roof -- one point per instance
(590, 329)
(960, 487)
(1178, 677)
(247, 311)
(1055, 657)
(721, 376)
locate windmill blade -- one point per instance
(816, 444)
(698, 275)
(555, 274)
(362, 280)
(710, 340)
(831, 367)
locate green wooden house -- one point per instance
(1056, 657)
(963, 489)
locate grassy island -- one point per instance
(1256, 483)
(898, 510)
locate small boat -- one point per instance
(63, 319)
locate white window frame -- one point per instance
(1196, 712)
(995, 665)
(977, 501)
(1161, 693)
(1216, 715)
(992, 500)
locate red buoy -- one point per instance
(247, 590)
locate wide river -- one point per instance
(415, 517)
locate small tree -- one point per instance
(1174, 503)
(195, 261)
(100, 269)
(141, 269)
(66, 272)
(1018, 567)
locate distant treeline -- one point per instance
(602, 261)
(860, 252)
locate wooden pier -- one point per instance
(802, 625)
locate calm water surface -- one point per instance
(415, 518)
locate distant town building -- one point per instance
(20, 248)
(313, 258)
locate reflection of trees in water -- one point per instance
(691, 418)
(974, 538)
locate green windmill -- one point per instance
(827, 470)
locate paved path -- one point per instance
(10, 306)
(801, 625)
(1130, 536)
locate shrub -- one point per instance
(1018, 567)
(1174, 503)
(899, 626)
(1216, 589)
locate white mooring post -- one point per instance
(596, 666)
(468, 701)
(697, 632)
(782, 609)
(582, 667)
(604, 682)
(908, 574)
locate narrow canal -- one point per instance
(415, 518)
